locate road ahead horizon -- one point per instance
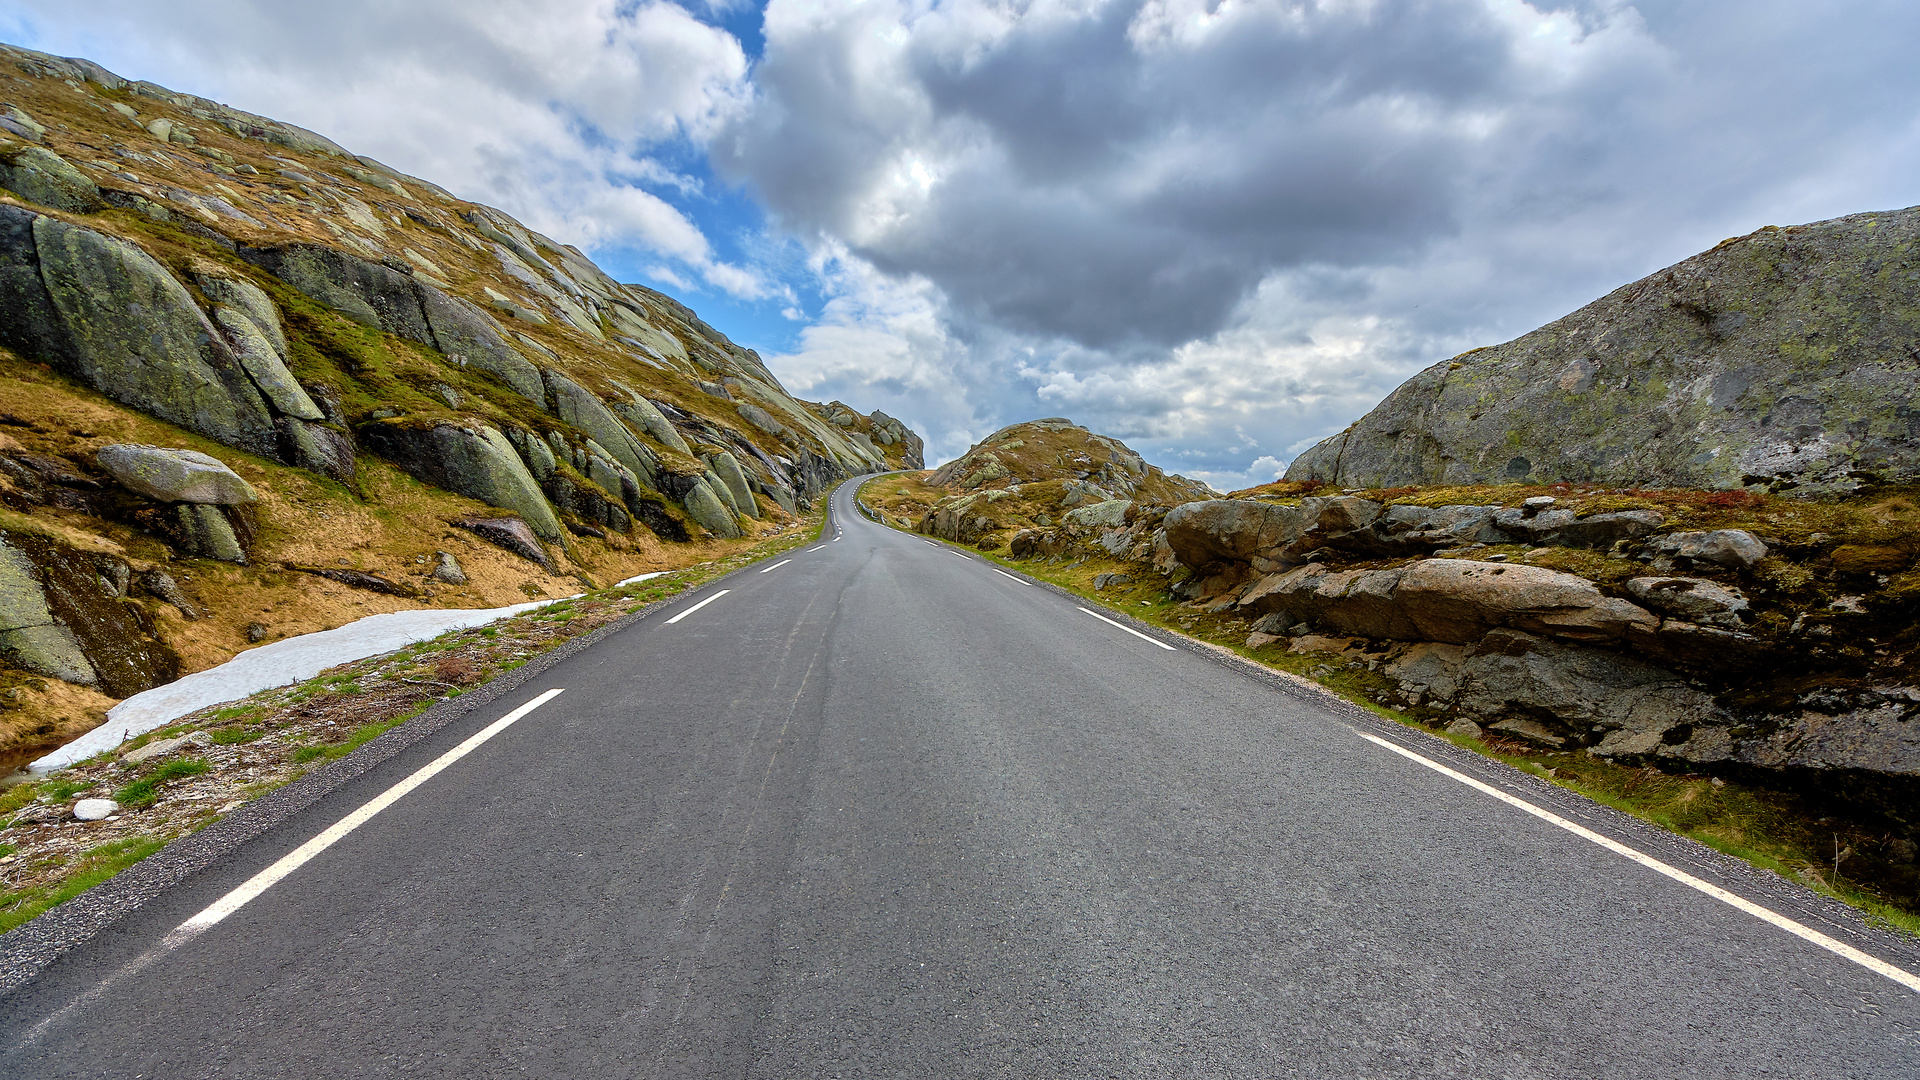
(878, 808)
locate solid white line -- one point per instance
(1129, 630)
(698, 606)
(287, 864)
(929, 543)
(294, 859)
(1008, 576)
(811, 550)
(776, 566)
(1839, 948)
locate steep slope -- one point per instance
(1784, 359)
(366, 394)
(1036, 476)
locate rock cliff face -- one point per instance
(233, 355)
(1785, 359)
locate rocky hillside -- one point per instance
(1034, 480)
(1764, 637)
(1788, 359)
(253, 385)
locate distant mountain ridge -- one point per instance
(1786, 359)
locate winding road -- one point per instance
(879, 808)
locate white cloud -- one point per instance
(545, 110)
(1193, 223)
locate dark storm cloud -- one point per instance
(1107, 180)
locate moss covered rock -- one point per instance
(1784, 358)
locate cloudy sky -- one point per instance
(1217, 229)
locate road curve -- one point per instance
(880, 809)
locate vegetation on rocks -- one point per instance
(252, 385)
(214, 760)
(1735, 665)
(1780, 360)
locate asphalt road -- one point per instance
(881, 810)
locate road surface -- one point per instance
(876, 808)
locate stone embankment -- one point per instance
(1717, 649)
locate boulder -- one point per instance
(104, 311)
(248, 298)
(446, 569)
(762, 419)
(476, 462)
(263, 363)
(1561, 528)
(1459, 600)
(1230, 530)
(160, 584)
(1698, 376)
(1110, 514)
(1449, 600)
(316, 447)
(1693, 599)
(727, 467)
(1736, 549)
(359, 579)
(580, 407)
(1033, 543)
(1422, 530)
(705, 507)
(646, 417)
(175, 475)
(163, 747)
(94, 809)
(30, 637)
(719, 488)
(206, 533)
(39, 175)
(1554, 693)
(509, 533)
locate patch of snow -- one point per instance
(642, 577)
(282, 662)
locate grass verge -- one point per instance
(1795, 835)
(273, 737)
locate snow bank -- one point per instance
(278, 664)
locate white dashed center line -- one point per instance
(1129, 630)
(811, 550)
(969, 558)
(929, 543)
(1008, 576)
(776, 566)
(698, 606)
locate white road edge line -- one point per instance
(294, 859)
(1006, 575)
(1838, 948)
(776, 566)
(287, 864)
(698, 606)
(1129, 630)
